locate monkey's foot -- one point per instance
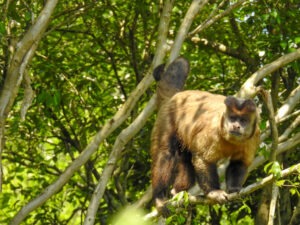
(161, 208)
(217, 196)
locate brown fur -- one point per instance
(192, 132)
(195, 117)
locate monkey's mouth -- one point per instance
(235, 133)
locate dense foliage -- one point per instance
(91, 56)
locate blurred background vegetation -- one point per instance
(91, 57)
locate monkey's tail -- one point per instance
(171, 80)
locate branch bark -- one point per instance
(248, 90)
(21, 58)
(213, 18)
(115, 155)
(284, 112)
(291, 102)
(107, 129)
(195, 7)
(266, 211)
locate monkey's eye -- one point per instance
(243, 120)
(233, 118)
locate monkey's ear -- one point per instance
(249, 106)
(158, 71)
(230, 102)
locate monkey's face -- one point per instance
(239, 120)
(237, 127)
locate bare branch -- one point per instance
(282, 147)
(115, 155)
(274, 189)
(268, 102)
(22, 56)
(249, 90)
(284, 111)
(275, 193)
(290, 129)
(291, 102)
(213, 18)
(195, 7)
(107, 129)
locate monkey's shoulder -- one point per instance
(198, 96)
(194, 105)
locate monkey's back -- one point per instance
(196, 112)
(195, 118)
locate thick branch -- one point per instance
(267, 197)
(225, 50)
(291, 102)
(273, 203)
(20, 59)
(195, 7)
(282, 147)
(15, 73)
(284, 112)
(268, 102)
(115, 155)
(249, 90)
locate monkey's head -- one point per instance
(239, 120)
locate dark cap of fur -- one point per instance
(245, 105)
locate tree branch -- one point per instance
(115, 155)
(19, 60)
(291, 102)
(233, 196)
(249, 90)
(284, 111)
(106, 130)
(225, 50)
(213, 18)
(195, 7)
(17, 65)
(267, 196)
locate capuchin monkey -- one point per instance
(193, 131)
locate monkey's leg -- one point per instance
(208, 179)
(235, 175)
(185, 176)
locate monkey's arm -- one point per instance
(235, 175)
(208, 179)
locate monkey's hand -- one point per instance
(217, 196)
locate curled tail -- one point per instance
(171, 80)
